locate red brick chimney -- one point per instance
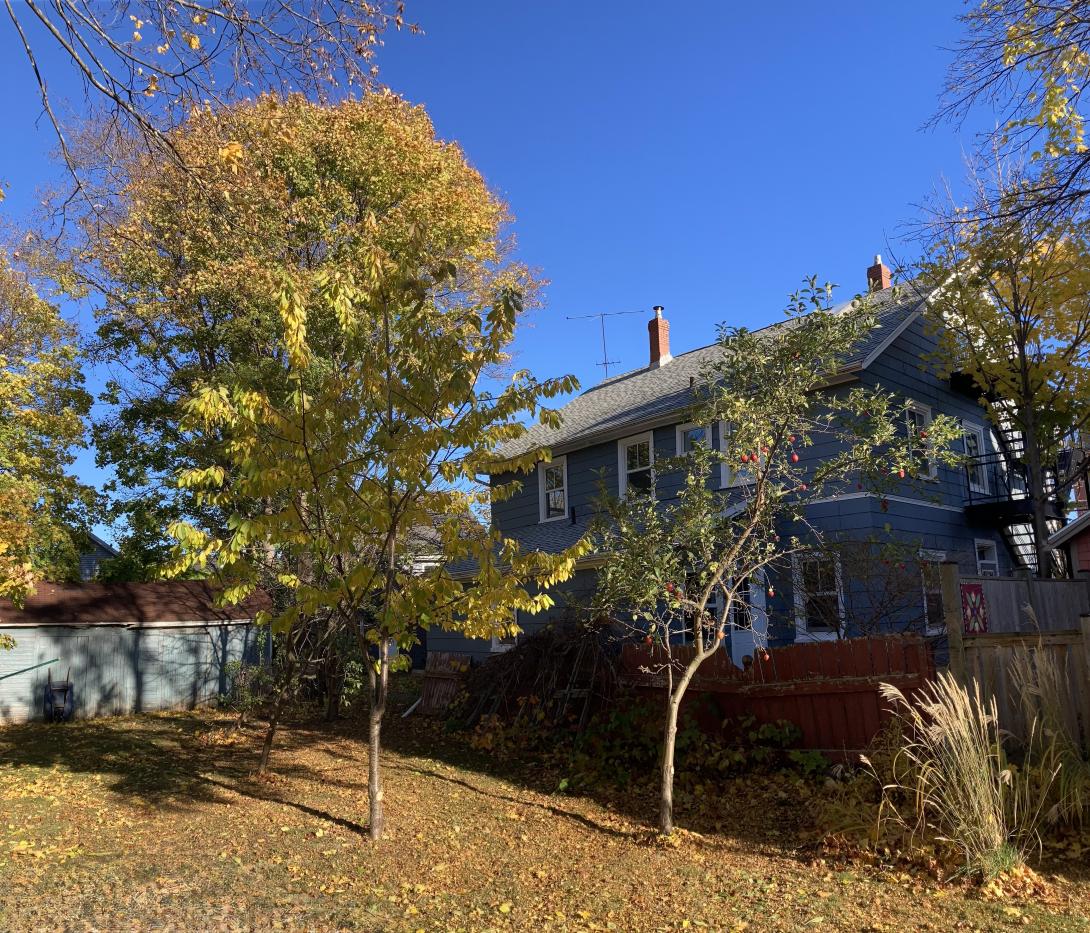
(878, 276)
(659, 330)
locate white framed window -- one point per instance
(819, 596)
(552, 489)
(636, 462)
(972, 438)
(987, 557)
(689, 436)
(731, 473)
(931, 578)
(918, 416)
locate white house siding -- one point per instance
(119, 669)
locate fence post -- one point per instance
(1084, 687)
(951, 611)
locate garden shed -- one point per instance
(129, 647)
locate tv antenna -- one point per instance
(602, 315)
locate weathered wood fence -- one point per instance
(990, 620)
(829, 689)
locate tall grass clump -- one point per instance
(952, 777)
(1044, 686)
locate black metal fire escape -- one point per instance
(998, 494)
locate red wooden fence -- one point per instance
(829, 689)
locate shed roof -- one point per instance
(129, 604)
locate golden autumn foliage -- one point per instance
(42, 404)
(322, 304)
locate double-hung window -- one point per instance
(636, 463)
(819, 597)
(552, 480)
(919, 423)
(987, 558)
(973, 439)
(931, 575)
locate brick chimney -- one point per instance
(659, 330)
(878, 276)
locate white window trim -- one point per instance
(563, 462)
(988, 542)
(622, 464)
(925, 410)
(969, 427)
(930, 556)
(682, 429)
(729, 476)
(498, 647)
(801, 627)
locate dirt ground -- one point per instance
(156, 822)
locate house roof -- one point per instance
(128, 604)
(1065, 534)
(643, 395)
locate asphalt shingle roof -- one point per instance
(645, 394)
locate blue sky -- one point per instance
(705, 160)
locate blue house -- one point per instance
(616, 432)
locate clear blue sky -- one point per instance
(704, 159)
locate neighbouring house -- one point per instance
(129, 647)
(97, 554)
(616, 432)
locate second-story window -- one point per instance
(973, 438)
(919, 423)
(553, 488)
(636, 462)
(689, 437)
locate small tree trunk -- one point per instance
(274, 719)
(666, 764)
(334, 687)
(379, 682)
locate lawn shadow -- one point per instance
(160, 760)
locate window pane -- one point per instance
(639, 479)
(638, 456)
(554, 503)
(822, 612)
(691, 438)
(554, 477)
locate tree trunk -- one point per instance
(274, 719)
(334, 687)
(379, 682)
(669, 741)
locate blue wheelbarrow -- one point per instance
(59, 697)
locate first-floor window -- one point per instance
(741, 614)
(553, 490)
(931, 575)
(636, 457)
(819, 602)
(987, 558)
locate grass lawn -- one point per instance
(155, 822)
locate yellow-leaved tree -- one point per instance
(375, 401)
(42, 405)
(1010, 301)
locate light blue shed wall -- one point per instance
(117, 670)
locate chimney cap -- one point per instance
(658, 309)
(878, 259)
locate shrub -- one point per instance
(952, 770)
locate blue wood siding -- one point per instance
(117, 670)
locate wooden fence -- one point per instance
(828, 689)
(987, 625)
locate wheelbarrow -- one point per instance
(59, 697)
